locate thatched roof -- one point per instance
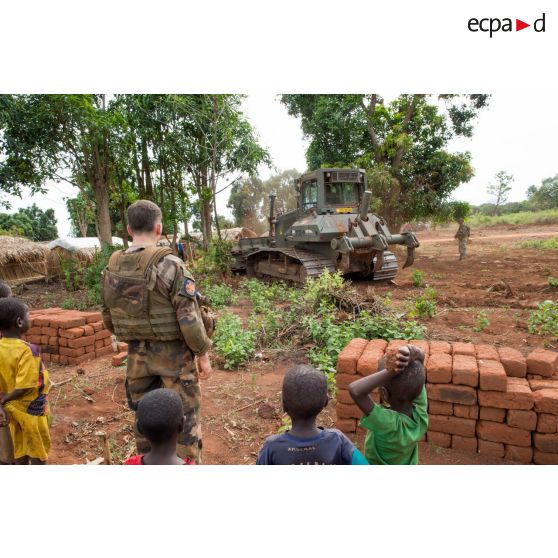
(16, 250)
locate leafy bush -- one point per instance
(417, 278)
(215, 261)
(219, 294)
(481, 322)
(232, 342)
(92, 273)
(73, 304)
(544, 320)
(552, 282)
(540, 244)
(263, 295)
(425, 304)
(323, 289)
(72, 270)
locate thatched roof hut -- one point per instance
(22, 260)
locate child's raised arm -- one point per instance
(360, 390)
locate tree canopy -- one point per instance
(30, 222)
(403, 144)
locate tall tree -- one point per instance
(500, 190)
(54, 137)
(546, 195)
(402, 144)
(32, 222)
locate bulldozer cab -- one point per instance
(331, 191)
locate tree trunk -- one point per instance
(146, 170)
(189, 253)
(102, 212)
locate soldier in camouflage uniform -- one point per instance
(462, 235)
(150, 301)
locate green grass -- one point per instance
(546, 217)
(540, 244)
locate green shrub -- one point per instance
(215, 261)
(417, 278)
(232, 342)
(481, 322)
(544, 320)
(219, 295)
(425, 304)
(540, 244)
(92, 273)
(323, 289)
(552, 282)
(72, 270)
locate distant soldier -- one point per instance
(463, 233)
(150, 301)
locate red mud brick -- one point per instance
(99, 344)
(44, 339)
(88, 330)
(465, 371)
(48, 349)
(55, 358)
(522, 419)
(547, 424)
(397, 343)
(80, 359)
(542, 458)
(463, 443)
(53, 341)
(72, 333)
(491, 449)
(368, 361)
(50, 331)
(34, 331)
(440, 347)
(544, 363)
(550, 383)
(41, 321)
(463, 395)
(546, 442)
(63, 359)
(98, 326)
(344, 397)
(108, 342)
(67, 321)
(452, 425)
(343, 411)
(379, 344)
(74, 353)
(466, 411)
(421, 344)
(82, 341)
(518, 454)
(440, 408)
(103, 352)
(492, 376)
(45, 357)
(62, 342)
(342, 380)
(467, 349)
(92, 317)
(438, 368)
(514, 362)
(546, 401)
(439, 439)
(104, 333)
(121, 347)
(346, 425)
(498, 432)
(89, 349)
(487, 352)
(518, 396)
(34, 339)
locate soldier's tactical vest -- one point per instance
(138, 311)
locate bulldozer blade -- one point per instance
(410, 257)
(379, 262)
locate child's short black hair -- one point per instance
(10, 310)
(304, 392)
(5, 290)
(160, 414)
(407, 384)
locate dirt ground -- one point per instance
(242, 408)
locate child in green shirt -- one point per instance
(395, 430)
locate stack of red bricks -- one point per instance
(69, 336)
(480, 399)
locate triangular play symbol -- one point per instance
(519, 25)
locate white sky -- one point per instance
(516, 134)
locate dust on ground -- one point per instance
(241, 408)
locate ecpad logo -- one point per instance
(494, 24)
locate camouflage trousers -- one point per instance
(462, 248)
(169, 364)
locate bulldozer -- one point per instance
(332, 228)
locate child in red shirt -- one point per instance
(160, 418)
